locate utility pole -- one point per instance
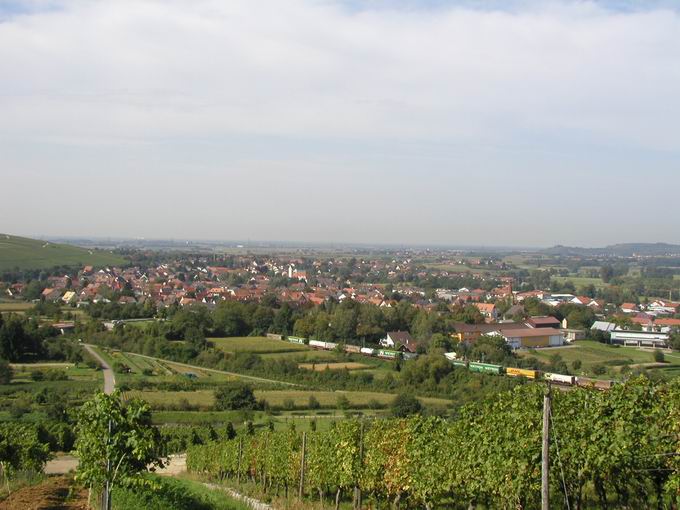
(545, 452)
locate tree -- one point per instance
(5, 372)
(238, 396)
(115, 442)
(405, 405)
(229, 431)
(441, 341)
(313, 402)
(21, 449)
(343, 402)
(606, 273)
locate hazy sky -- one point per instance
(496, 123)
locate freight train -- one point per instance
(354, 349)
(536, 375)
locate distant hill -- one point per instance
(618, 250)
(23, 253)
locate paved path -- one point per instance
(109, 378)
(196, 367)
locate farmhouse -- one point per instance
(488, 310)
(399, 340)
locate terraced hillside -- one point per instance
(24, 253)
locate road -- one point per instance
(233, 374)
(109, 378)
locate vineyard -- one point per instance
(616, 449)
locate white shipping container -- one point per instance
(317, 343)
(329, 346)
(366, 350)
(564, 379)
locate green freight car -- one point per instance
(296, 340)
(459, 363)
(485, 368)
(388, 354)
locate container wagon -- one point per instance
(560, 379)
(459, 363)
(587, 382)
(382, 353)
(520, 372)
(296, 340)
(352, 348)
(368, 352)
(484, 367)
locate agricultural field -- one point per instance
(592, 353)
(24, 372)
(581, 281)
(14, 306)
(319, 367)
(256, 344)
(280, 398)
(24, 253)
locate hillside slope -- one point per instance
(23, 253)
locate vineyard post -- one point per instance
(238, 468)
(302, 465)
(545, 452)
(357, 490)
(106, 501)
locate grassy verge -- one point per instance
(174, 494)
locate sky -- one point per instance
(516, 123)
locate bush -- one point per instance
(239, 396)
(37, 375)
(289, 404)
(576, 364)
(659, 356)
(56, 375)
(599, 369)
(343, 402)
(375, 404)
(405, 405)
(313, 402)
(5, 372)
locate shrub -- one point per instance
(599, 369)
(313, 402)
(405, 405)
(343, 402)
(238, 396)
(659, 356)
(5, 372)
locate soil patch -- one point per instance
(55, 493)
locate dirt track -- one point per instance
(48, 495)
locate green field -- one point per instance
(256, 344)
(581, 281)
(23, 253)
(592, 353)
(278, 398)
(15, 307)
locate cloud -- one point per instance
(393, 88)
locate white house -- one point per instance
(399, 339)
